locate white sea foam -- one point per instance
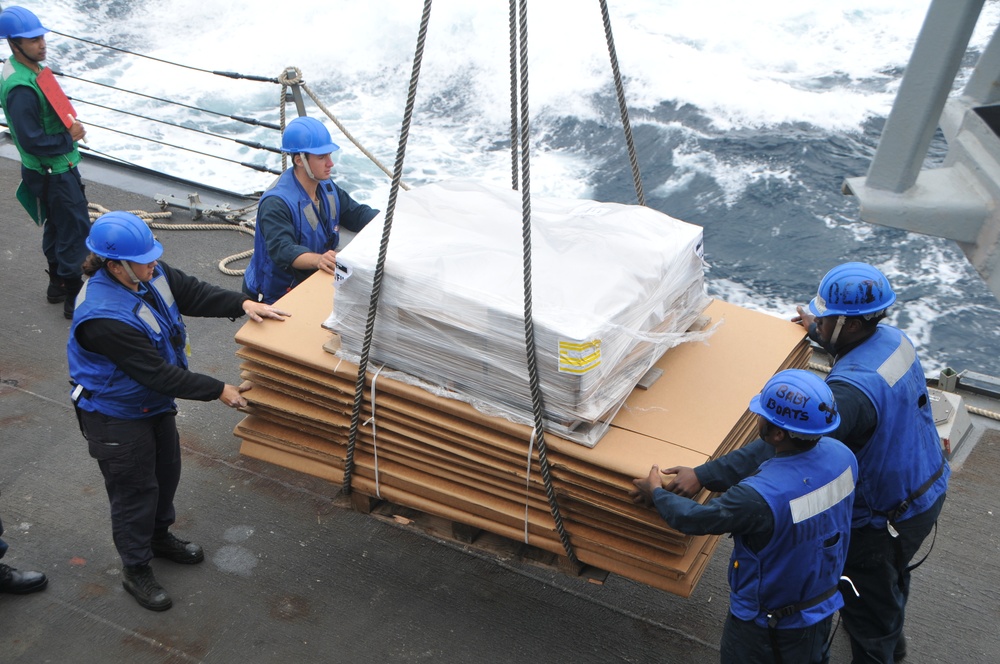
(743, 64)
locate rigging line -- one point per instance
(227, 74)
(512, 27)
(287, 80)
(256, 167)
(622, 106)
(397, 176)
(529, 324)
(238, 118)
(249, 144)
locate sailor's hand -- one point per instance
(327, 262)
(76, 130)
(232, 396)
(685, 482)
(642, 494)
(805, 317)
(258, 311)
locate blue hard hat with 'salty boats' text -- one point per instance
(306, 134)
(122, 236)
(852, 289)
(797, 401)
(17, 22)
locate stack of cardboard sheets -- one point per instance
(443, 457)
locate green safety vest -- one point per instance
(15, 74)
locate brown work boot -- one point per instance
(141, 584)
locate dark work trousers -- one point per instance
(875, 620)
(65, 233)
(141, 464)
(3, 545)
(745, 642)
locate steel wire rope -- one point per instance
(249, 144)
(256, 167)
(529, 327)
(397, 176)
(237, 118)
(622, 106)
(512, 28)
(227, 74)
(297, 80)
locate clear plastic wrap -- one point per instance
(613, 287)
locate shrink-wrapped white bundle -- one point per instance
(613, 287)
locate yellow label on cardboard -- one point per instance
(579, 358)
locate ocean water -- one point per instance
(747, 118)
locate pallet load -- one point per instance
(423, 450)
(613, 287)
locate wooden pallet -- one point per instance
(469, 537)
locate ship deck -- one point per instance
(294, 574)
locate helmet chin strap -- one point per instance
(836, 331)
(129, 272)
(305, 165)
(15, 42)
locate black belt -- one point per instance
(774, 616)
(894, 515)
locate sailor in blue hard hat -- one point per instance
(299, 218)
(127, 354)
(52, 189)
(790, 515)
(887, 421)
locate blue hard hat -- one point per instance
(306, 134)
(18, 22)
(852, 289)
(797, 401)
(122, 236)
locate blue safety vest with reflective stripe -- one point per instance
(106, 388)
(810, 495)
(904, 452)
(317, 232)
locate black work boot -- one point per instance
(73, 286)
(56, 292)
(167, 545)
(141, 584)
(20, 583)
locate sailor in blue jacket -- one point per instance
(886, 421)
(790, 519)
(127, 353)
(299, 218)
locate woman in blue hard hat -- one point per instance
(128, 363)
(49, 155)
(790, 517)
(299, 218)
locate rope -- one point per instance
(256, 167)
(513, 96)
(149, 218)
(297, 80)
(529, 329)
(238, 118)
(227, 74)
(397, 176)
(622, 106)
(249, 144)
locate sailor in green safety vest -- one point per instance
(51, 189)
